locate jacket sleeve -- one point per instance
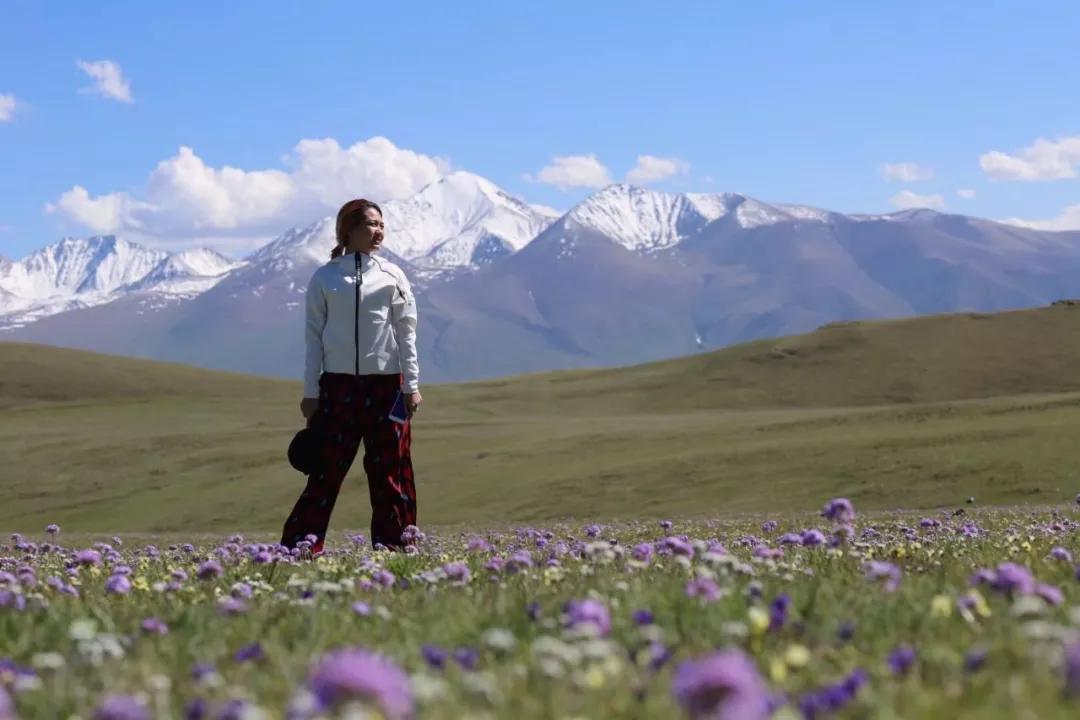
(403, 314)
(314, 322)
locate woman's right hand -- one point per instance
(308, 407)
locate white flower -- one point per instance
(84, 629)
(499, 639)
(47, 661)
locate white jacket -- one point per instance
(360, 319)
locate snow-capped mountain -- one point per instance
(627, 275)
(461, 220)
(78, 273)
(648, 220)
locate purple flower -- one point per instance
(249, 652)
(665, 525)
(1050, 593)
(705, 588)
(361, 608)
(235, 709)
(202, 670)
(457, 572)
(477, 544)
(588, 613)
(118, 585)
(88, 557)
(769, 526)
(1072, 669)
(195, 710)
(7, 707)
(642, 617)
(975, 658)
(434, 656)
(52, 529)
(467, 657)
(359, 674)
(839, 510)
(901, 659)
(533, 610)
(121, 707)
(209, 570)
(778, 611)
(1011, 577)
(642, 553)
(384, 578)
(519, 561)
(412, 535)
(592, 530)
(678, 546)
(232, 606)
(155, 626)
(659, 654)
(790, 539)
(880, 570)
(1060, 553)
(723, 686)
(832, 698)
(812, 538)
(764, 551)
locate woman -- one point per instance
(361, 350)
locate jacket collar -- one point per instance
(350, 259)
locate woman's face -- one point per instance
(367, 236)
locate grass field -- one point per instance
(916, 413)
(886, 616)
(641, 542)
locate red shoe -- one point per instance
(316, 549)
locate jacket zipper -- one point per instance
(356, 316)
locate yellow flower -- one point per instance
(941, 606)
(141, 583)
(797, 656)
(759, 620)
(594, 677)
(777, 670)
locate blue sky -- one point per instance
(802, 102)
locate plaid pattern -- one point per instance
(354, 408)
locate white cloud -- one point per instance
(906, 199)
(1043, 160)
(109, 80)
(184, 200)
(906, 172)
(966, 193)
(650, 168)
(8, 103)
(1069, 219)
(574, 171)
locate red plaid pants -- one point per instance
(354, 408)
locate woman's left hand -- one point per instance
(412, 402)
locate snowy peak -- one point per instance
(187, 272)
(461, 219)
(90, 271)
(203, 262)
(312, 243)
(642, 219)
(98, 264)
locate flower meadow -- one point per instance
(957, 614)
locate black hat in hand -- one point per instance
(304, 451)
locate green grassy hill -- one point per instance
(914, 413)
